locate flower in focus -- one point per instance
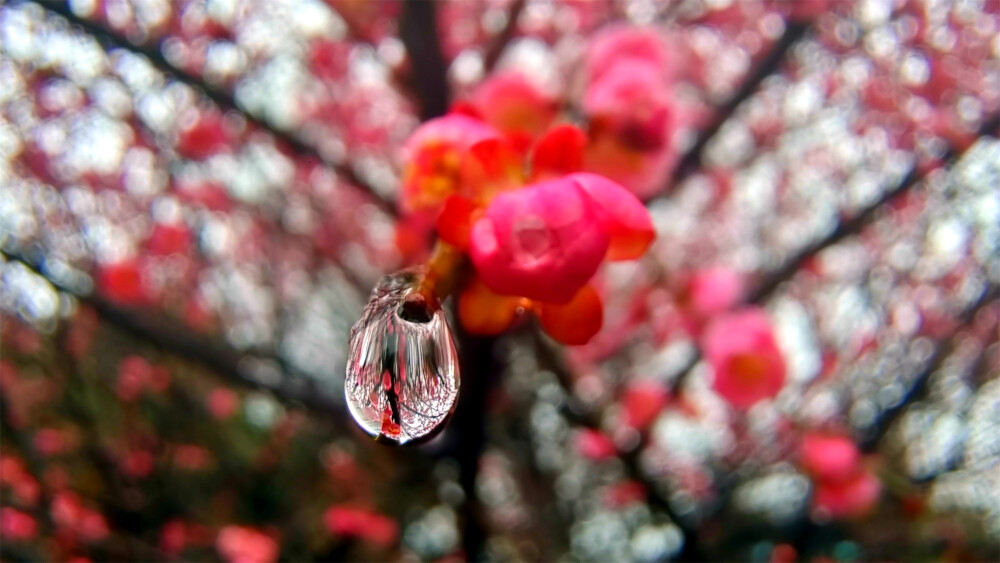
(240, 544)
(536, 246)
(544, 243)
(438, 157)
(744, 355)
(516, 106)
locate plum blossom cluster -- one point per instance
(535, 227)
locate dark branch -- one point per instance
(941, 351)
(223, 99)
(770, 64)
(260, 372)
(852, 226)
(418, 31)
(497, 47)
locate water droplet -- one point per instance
(532, 239)
(402, 374)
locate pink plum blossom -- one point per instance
(851, 498)
(828, 457)
(744, 355)
(542, 242)
(516, 106)
(240, 544)
(545, 241)
(434, 157)
(619, 43)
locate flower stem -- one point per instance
(445, 271)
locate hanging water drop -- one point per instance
(402, 372)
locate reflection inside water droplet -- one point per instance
(402, 373)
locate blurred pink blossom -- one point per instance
(240, 544)
(16, 525)
(744, 355)
(829, 457)
(852, 498)
(594, 445)
(351, 521)
(516, 106)
(222, 402)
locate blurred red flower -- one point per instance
(744, 355)
(350, 521)
(240, 544)
(16, 525)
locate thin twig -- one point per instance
(942, 350)
(690, 162)
(154, 53)
(255, 371)
(499, 44)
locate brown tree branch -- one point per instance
(154, 53)
(254, 371)
(496, 49)
(418, 31)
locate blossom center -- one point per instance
(748, 369)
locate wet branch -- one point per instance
(154, 53)
(942, 350)
(418, 31)
(254, 371)
(690, 162)
(496, 49)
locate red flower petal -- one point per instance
(576, 322)
(492, 166)
(626, 219)
(455, 221)
(558, 152)
(484, 312)
(543, 242)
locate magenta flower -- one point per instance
(742, 351)
(435, 155)
(545, 241)
(542, 242)
(829, 458)
(852, 498)
(351, 521)
(621, 43)
(516, 106)
(630, 102)
(240, 544)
